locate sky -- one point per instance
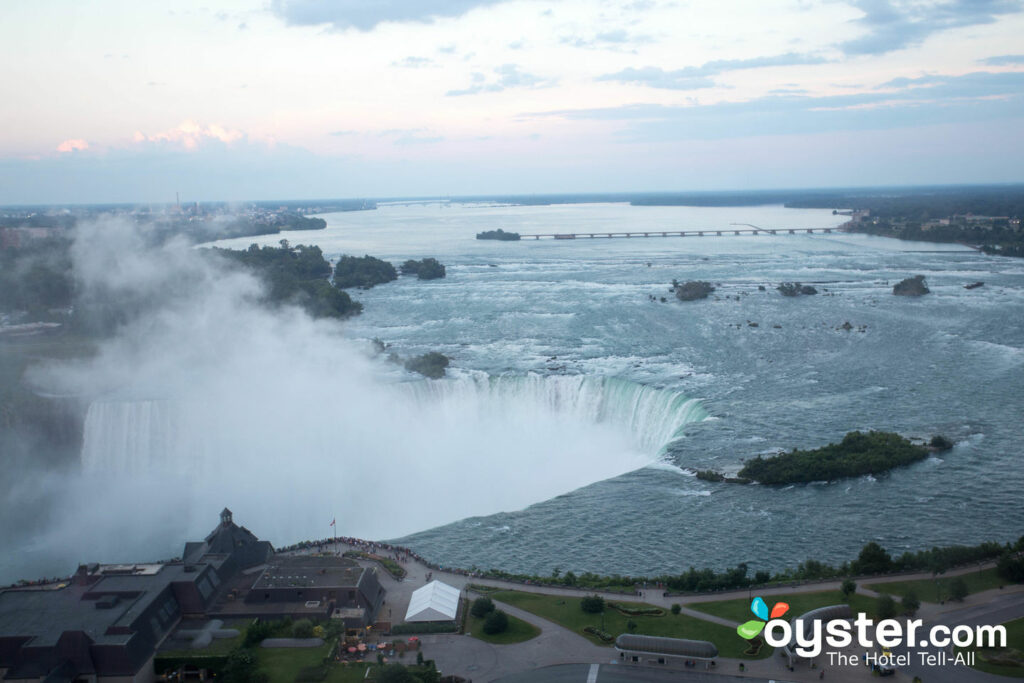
(135, 100)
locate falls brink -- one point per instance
(389, 459)
(138, 435)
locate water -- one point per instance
(544, 333)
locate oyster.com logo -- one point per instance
(751, 629)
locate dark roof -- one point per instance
(673, 647)
(302, 571)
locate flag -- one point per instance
(332, 523)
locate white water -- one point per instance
(445, 449)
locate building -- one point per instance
(107, 622)
(436, 601)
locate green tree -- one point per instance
(592, 604)
(873, 559)
(958, 589)
(910, 603)
(303, 628)
(1011, 567)
(482, 606)
(676, 608)
(396, 673)
(886, 607)
(496, 622)
(848, 588)
(243, 667)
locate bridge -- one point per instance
(751, 230)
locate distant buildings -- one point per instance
(108, 621)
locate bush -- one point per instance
(303, 628)
(676, 608)
(592, 604)
(1011, 567)
(243, 667)
(910, 603)
(438, 627)
(958, 589)
(396, 673)
(482, 606)
(886, 607)
(848, 588)
(496, 622)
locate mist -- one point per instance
(204, 398)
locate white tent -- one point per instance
(434, 602)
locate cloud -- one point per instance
(365, 15)
(924, 101)
(1004, 60)
(190, 134)
(897, 24)
(507, 76)
(413, 62)
(72, 145)
(614, 38)
(695, 77)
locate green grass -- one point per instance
(518, 631)
(929, 589)
(565, 611)
(282, 664)
(799, 603)
(1014, 641)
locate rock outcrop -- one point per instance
(693, 290)
(912, 286)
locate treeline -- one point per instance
(36, 277)
(364, 272)
(296, 275)
(856, 455)
(920, 204)
(872, 560)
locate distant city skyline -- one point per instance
(254, 99)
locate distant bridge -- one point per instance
(751, 230)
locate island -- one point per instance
(498, 234)
(858, 454)
(692, 290)
(912, 286)
(363, 272)
(427, 269)
(795, 289)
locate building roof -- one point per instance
(434, 602)
(673, 647)
(305, 571)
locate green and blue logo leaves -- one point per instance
(751, 629)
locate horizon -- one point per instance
(308, 98)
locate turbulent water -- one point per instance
(562, 360)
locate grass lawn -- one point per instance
(518, 631)
(282, 664)
(565, 610)
(928, 589)
(1014, 641)
(799, 603)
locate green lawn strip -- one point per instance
(1014, 642)
(565, 611)
(929, 589)
(738, 610)
(282, 664)
(518, 631)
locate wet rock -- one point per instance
(693, 290)
(912, 286)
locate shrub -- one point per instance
(848, 588)
(439, 627)
(958, 589)
(886, 607)
(910, 603)
(676, 608)
(303, 628)
(496, 622)
(482, 606)
(1011, 567)
(592, 604)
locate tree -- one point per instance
(482, 606)
(303, 628)
(910, 603)
(592, 604)
(396, 673)
(873, 559)
(496, 622)
(1011, 567)
(676, 608)
(886, 607)
(958, 589)
(242, 667)
(848, 588)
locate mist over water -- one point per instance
(207, 399)
(573, 407)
